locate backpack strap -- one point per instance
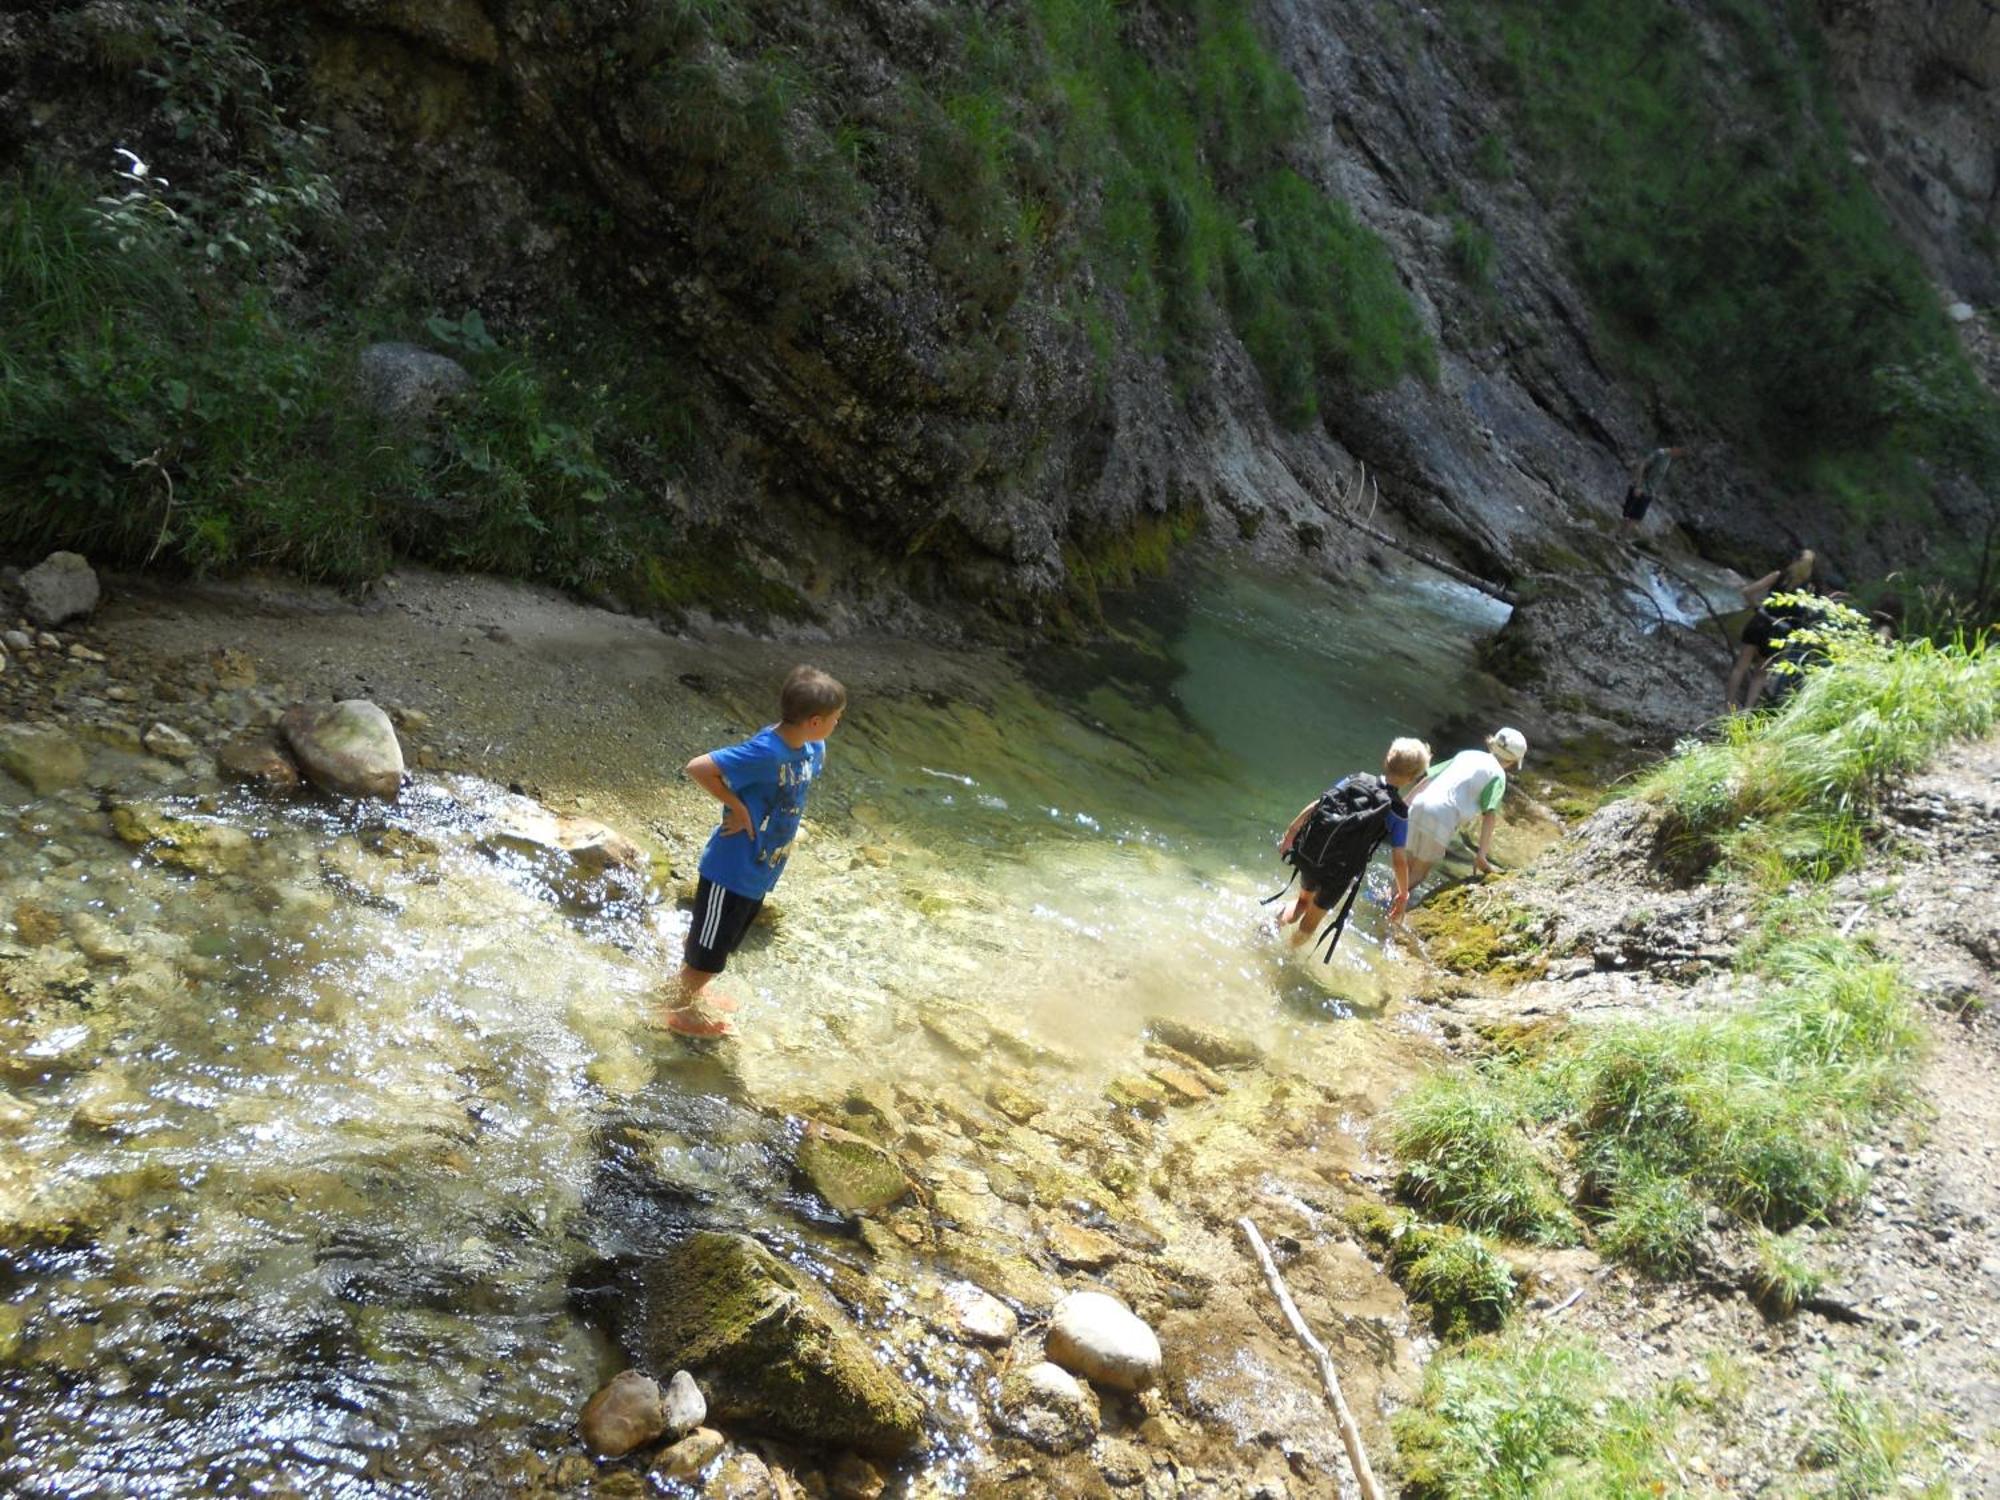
(1331, 937)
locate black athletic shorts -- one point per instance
(1636, 501)
(721, 917)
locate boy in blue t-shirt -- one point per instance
(762, 785)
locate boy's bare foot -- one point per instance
(692, 1022)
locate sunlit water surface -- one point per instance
(311, 1144)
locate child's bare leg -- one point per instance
(690, 1007)
(1309, 921)
(1297, 909)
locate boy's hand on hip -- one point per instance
(735, 819)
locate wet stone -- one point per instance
(978, 1316)
(1101, 1339)
(186, 843)
(628, 1412)
(1045, 1405)
(692, 1454)
(1182, 1086)
(256, 756)
(685, 1409)
(61, 587)
(852, 1477)
(347, 748)
(1216, 1046)
(1080, 1248)
(852, 1173)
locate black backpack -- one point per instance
(1339, 837)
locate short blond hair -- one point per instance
(1407, 759)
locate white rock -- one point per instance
(18, 641)
(686, 1408)
(48, 642)
(80, 652)
(60, 587)
(1101, 1339)
(1961, 312)
(979, 1316)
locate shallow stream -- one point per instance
(303, 1129)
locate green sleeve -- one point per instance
(1489, 800)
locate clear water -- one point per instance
(298, 1161)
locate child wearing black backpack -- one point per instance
(1332, 839)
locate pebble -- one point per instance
(19, 641)
(627, 1413)
(168, 742)
(80, 652)
(686, 1407)
(48, 641)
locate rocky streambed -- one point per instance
(342, 1158)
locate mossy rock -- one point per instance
(771, 1350)
(1462, 933)
(1216, 1046)
(185, 843)
(852, 1173)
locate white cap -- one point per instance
(1511, 743)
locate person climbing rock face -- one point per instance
(1763, 629)
(1648, 475)
(762, 785)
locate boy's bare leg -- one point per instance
(1309, 922)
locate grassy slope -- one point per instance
(1632, 1135)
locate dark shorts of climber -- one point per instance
(1637, 502)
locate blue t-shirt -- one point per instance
(772, 779)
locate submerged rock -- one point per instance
(348, 748)
(852, 1173)
(628, 1412)
(572, 853)
(41, 758)
(1217, 1046)
(1104, 1341)
(169, 743)
(256, 756)
(770, 1349)
(186, 843)
(852, 1477)
(61, 587)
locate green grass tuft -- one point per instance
(1788, 793)
(1519, 1418)
(1868, 1446)
(1468, 1288)
(1465, 1153)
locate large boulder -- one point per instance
(852, 1173)
(1105, 1342)
(42, 758)
(770, 1349)
(348, 748)
(405, 382)
(61, 587)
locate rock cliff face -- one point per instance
(895, 396)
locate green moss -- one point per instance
(1469, 932)
(708, 573)
(1468, 1289)
(770, 1351)
(186, 843)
